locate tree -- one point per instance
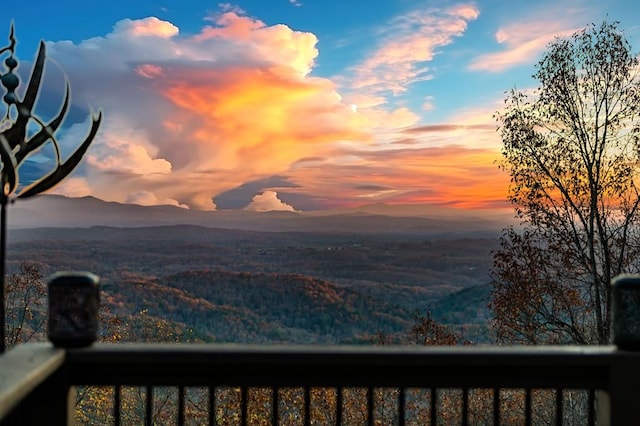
(26, 294)
(572, 150)
(428, 332)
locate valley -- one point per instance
(225, 285)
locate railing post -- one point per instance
(603, 408)
(624, 377)
(624, 392)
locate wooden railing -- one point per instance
(38, 382)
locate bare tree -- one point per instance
(572, 150)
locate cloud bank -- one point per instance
(192, 116)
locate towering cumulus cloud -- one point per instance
(191, 116)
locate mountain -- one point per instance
(331, 276)
(59, 211)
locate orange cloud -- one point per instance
(258, 120)
(451, 175)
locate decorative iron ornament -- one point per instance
(18, 141)
(15, 143)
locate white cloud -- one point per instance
(428, 104)
(147, 198)
(148, 27)
(268, 201)
(121, 148)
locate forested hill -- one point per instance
(227, 306)
(208, 284)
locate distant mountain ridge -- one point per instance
(237, 276)
(66, 212)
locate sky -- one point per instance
(290, 104)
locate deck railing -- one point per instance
(40, 384)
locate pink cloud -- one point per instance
(409, 42)
(73, 187)
(523, 41)
(231, 25)
(148, 70)
(277, 44)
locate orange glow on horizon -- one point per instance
(452, 176)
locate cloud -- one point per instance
(275, 45)
(523, 41)
(445, 164)
(428, 104)
(147, 198)
(259, 120)
(123, 149)
(435, 128)
(409, 42)
(240, 196)
(191, 116)
(454, 175)
(73, 187)
(268, 201)
(149, 27)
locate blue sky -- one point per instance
(286, 104)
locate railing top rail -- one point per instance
(443, 354)
(23, 368)
(300, 365)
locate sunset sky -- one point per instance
(292, 104)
